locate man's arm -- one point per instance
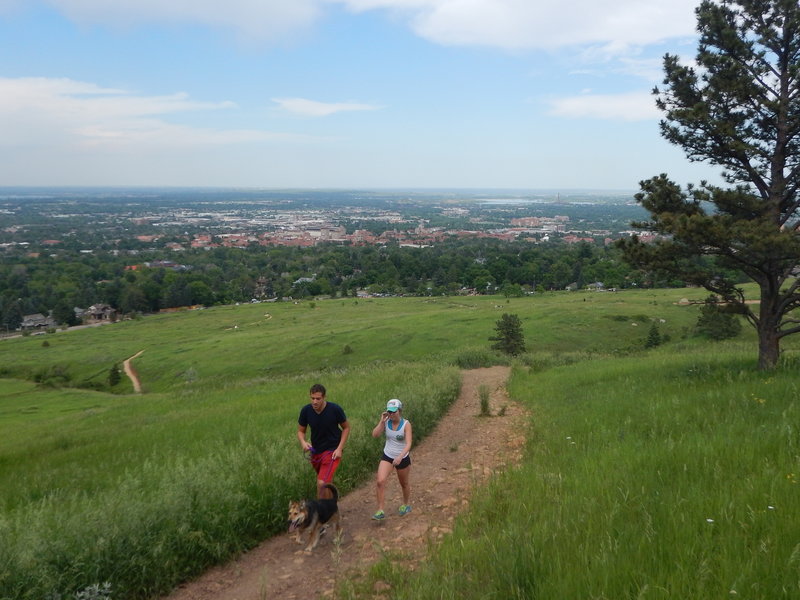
(301, 436)
(345, 434)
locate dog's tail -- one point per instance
(332, 488)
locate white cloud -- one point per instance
(50, 112)
(633, 106)
(545, 24)
(613, 25)
(312, 108)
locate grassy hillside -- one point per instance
(670, 475)
(145, 490)
(233, 343)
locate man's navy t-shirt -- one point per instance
(325, 431)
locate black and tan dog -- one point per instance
(312, 515)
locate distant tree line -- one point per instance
(60, 282)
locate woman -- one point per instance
(395, 455)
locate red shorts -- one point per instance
(325, 466)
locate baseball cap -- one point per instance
(394, 405)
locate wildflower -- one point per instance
(709, 520)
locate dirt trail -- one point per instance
(462, 452)
(130, 371)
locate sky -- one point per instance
(503, 94)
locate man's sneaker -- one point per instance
(404, 509)
(378, 516)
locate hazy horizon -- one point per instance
(340, 94)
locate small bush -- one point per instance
(715, 322)
(114, 376)
(483, 396)
(620, 318)
(510, 338)
(52, 376)
(653, 337)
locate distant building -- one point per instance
(37, 321)
(100, 312)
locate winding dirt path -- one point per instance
(130, 371)
(463, 451)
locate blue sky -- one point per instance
(522, 94)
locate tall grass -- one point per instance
(145, 490)
(155, 490)
(674, 476)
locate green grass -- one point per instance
(232, 343)
(671, 476)
(143, 491)
(146, 490)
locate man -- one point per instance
(329, 432)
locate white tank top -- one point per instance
(395, 440)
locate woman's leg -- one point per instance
(384, 469)
(404, 477)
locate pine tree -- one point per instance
(114, 376)
(653, 337)
(738, 109)
(509, 338)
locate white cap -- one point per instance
(394, 405)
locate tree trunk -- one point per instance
(768, 349)
(768, 321)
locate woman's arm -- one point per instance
(381, 426)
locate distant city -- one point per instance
(43, 219)
(72, 256)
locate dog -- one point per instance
(313, 516)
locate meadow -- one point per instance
(216, 346)
(145, 490)
(675, 475)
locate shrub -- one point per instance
(653, 337)
(715, 322)
(509, 338)
(114, 376)
(52, 376)
(483, 395)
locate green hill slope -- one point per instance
(145, 489)
(220, 345)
